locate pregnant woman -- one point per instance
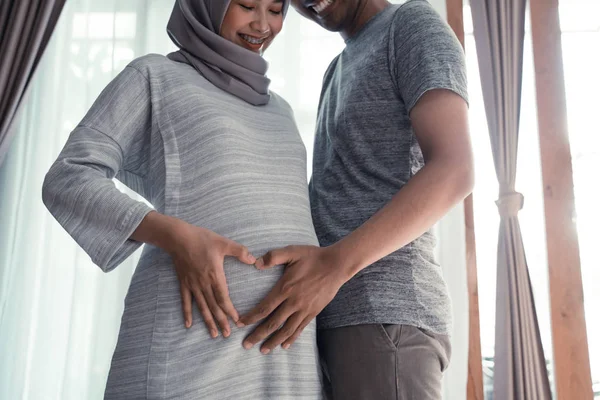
(200, 136)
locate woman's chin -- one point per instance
(265, 47)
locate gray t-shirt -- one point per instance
(366, 150)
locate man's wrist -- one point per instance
(344, 261)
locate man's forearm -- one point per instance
(425, 199)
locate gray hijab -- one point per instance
(194, 27)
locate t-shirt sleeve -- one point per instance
(424, 54)
(79, 190)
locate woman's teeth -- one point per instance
(322, 6)
(252, 40)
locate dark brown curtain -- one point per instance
(519, 365)
(25, 29)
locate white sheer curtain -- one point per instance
(580, 26)
(59, 314)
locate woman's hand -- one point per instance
(198, 256)
(198, 259)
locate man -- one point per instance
(392, 156)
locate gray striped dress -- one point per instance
(202, 155)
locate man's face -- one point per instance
(333, 15)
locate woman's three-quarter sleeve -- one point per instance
(78, 189)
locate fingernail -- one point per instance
(286, 346)
(247, 345)
(214, 333)
(252, 259)
(265, 351)
(188, 324)
(259, 263)
(240, 324)
(226, 334)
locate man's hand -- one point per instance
(311, 280)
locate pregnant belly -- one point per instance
(260, 222)
(153, 335)
(155, 280)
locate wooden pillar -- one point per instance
(475, 370)
(569, 336)
(454, 9)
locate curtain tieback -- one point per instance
(509, 204)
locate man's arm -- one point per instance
(314, 275)
(440, 123)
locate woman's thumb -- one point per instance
(241, 253)
(274, 257)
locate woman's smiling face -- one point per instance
(253, 24)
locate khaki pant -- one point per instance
(383, 362)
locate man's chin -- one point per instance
(331, 26)
(330, 22)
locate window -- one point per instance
(580, 23)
